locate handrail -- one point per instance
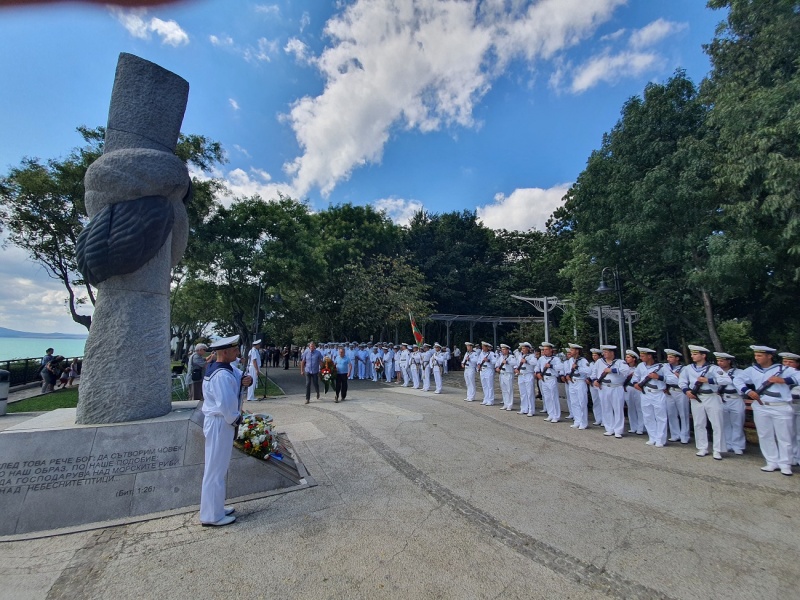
(25, 370)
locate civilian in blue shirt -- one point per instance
(344, 367)
(309, 366)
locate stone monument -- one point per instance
(136, 195)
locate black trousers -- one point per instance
(341, 385)
(312, 377)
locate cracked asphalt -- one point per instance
(428, 496)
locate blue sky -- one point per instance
(491, 106)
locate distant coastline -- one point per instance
(12, 333)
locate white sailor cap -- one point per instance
(576, 346)
(644, 350)
(415, 347)
(608, 347)
(671, 352)
(546, 345)
(595, 350)
(698, 349)
(486, 344)
(468, 344)
(766, 349)
(724, 355)
(632, 353)
(526, 345)
(258, 341)
(404, 344)
(225, 343)
(426, 345)
(505, 346)
(437, 345)
(791, 355)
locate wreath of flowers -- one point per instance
(326, 372)
(256, 435)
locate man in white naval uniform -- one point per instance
(576, 371)
(351, 352)
(505, 365)
(732, 406)
(437, 366)
(253, 368)
(548, 371)
(790, 359)
(633, 398)
(388, 363)
(427, 355)
(415, 364)
(469, 364)
(611, 374)
(221, 413)
(649, 378)
(485, 368)
(524, 371)
(446, 353)
(597, 405)
(772, 407)
(700, 382)
(677, 402)
(403, 360)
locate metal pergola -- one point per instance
(472, 319)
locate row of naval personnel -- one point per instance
(656, 394)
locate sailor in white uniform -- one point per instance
(403, 359)
(611, 374)
(576, 371)
(427, 355)
(790, 359)
(469, 364)
(548, 372)
(650, 379)
(525, 368)
(597, 406)
(700, 382)
(733, 409)
(221, 414)
(504, 365)
(771, 399)
(437, 365)
(253, 368)
(485, 368)
(633, 398)
(677, 402)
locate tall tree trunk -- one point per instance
(709, 313)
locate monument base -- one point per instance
(58, 475)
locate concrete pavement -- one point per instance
(428, 496)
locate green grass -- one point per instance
(68, 398)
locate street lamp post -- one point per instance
(603, 289)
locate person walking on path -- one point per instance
(344, 367)
(309, 366)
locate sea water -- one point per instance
(19, 347)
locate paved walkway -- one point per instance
(424, 496)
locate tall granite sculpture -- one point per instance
(136, 195)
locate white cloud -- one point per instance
(272, 10)
(262, 52)
(234, 104)
(398, 210)
(139, 26)
(655, 32)
(244, 184)
(31, 300)
(298, 48)
(613, 36)
(524, 209)
(611, 67)
(225, 41)
(420, 64)
(242, 150)
(305, 21)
